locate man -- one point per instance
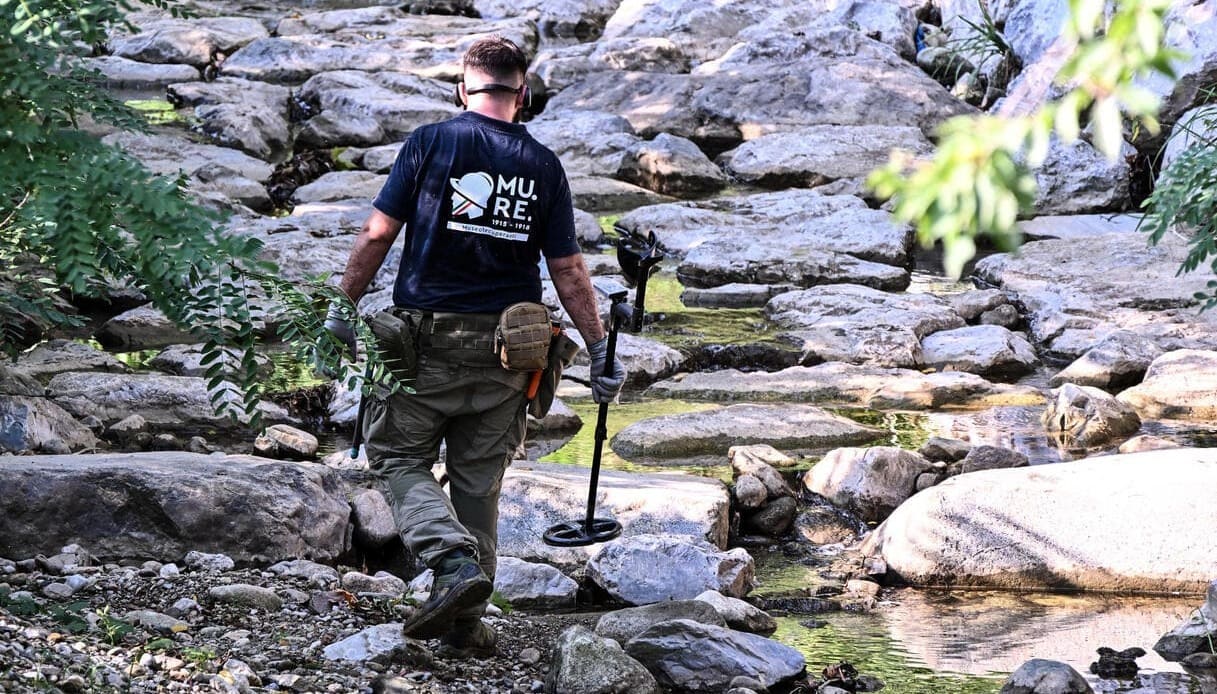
(481, 202)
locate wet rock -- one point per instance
(623, 625)
(167, 503)
(1146, 442)
(859, 324)
(750, 492)
(1115, 362)
(1039, 676)
(245, 595)
(171, 401)
(988, 350)
(1201, 661)
(970, 305)
(645, 360)
(733, 295)
(58, 356)
(788, 427)
(1005, 316)
(774, 519)
(1117, 664)
(194, 41)
(697, 657)
(383, 582)
(123, 73)
(141, 328)
(872, 482)
(584, 663)
(847, 384)
(208, 561)
(286, 442)
(374, 524)
(645, 569)
(671, 165)
(243, 114)
(534, 586)
(812, 156)
(825, 524)
(738, 614)
(560, 421)
(1084, 416)
(983, 457)
(1029, 528)
(1178, 385)
(535, 496)
(39, 425)
(1195, 633)
(937, 448)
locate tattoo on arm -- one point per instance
(575, 291)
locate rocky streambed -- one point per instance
(814, 422)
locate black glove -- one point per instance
(606, 383)
(344, 332)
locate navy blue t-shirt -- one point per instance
(481, 201)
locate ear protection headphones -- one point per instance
(492, 87)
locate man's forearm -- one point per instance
(575, 291)
(371, 246)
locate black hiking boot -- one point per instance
(468, 638)
(459, 584)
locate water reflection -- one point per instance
(922, 642)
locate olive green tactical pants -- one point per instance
(478, 411)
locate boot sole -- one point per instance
(437, 621)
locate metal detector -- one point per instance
(639, 257)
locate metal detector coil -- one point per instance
(639, 257)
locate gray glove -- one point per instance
(605, 386)
(344, 332)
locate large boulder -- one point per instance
(1053, 526)
(247, 115)
(1191, 31)
(646, 569)
(584, 663)
(161, 505)
(57, 356)
(340, 185)
(739, 615)
(174, 402)
(871, 482)
(819, 154)
(590, 143)
(1075, 291)
(694, 657)
(1117, 361)
(141, 328)
(712, 432)
(988, 350)
(536, 496)
(671, 165)
(1084, 416)
(213, 171)
(581, 19)
(1076, 178)
(847, 384)
(1178, 385)
(353, 107)
(623, 625)
(195, 41)
(123, 73)
(859, 324)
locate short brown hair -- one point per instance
(496, 56)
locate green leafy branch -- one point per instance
(980, 179)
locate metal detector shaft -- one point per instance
(601, 428)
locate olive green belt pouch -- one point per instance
(522, 337)
(562, 351)
(397, 340)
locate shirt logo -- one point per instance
(470, 194)
(510, 217)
